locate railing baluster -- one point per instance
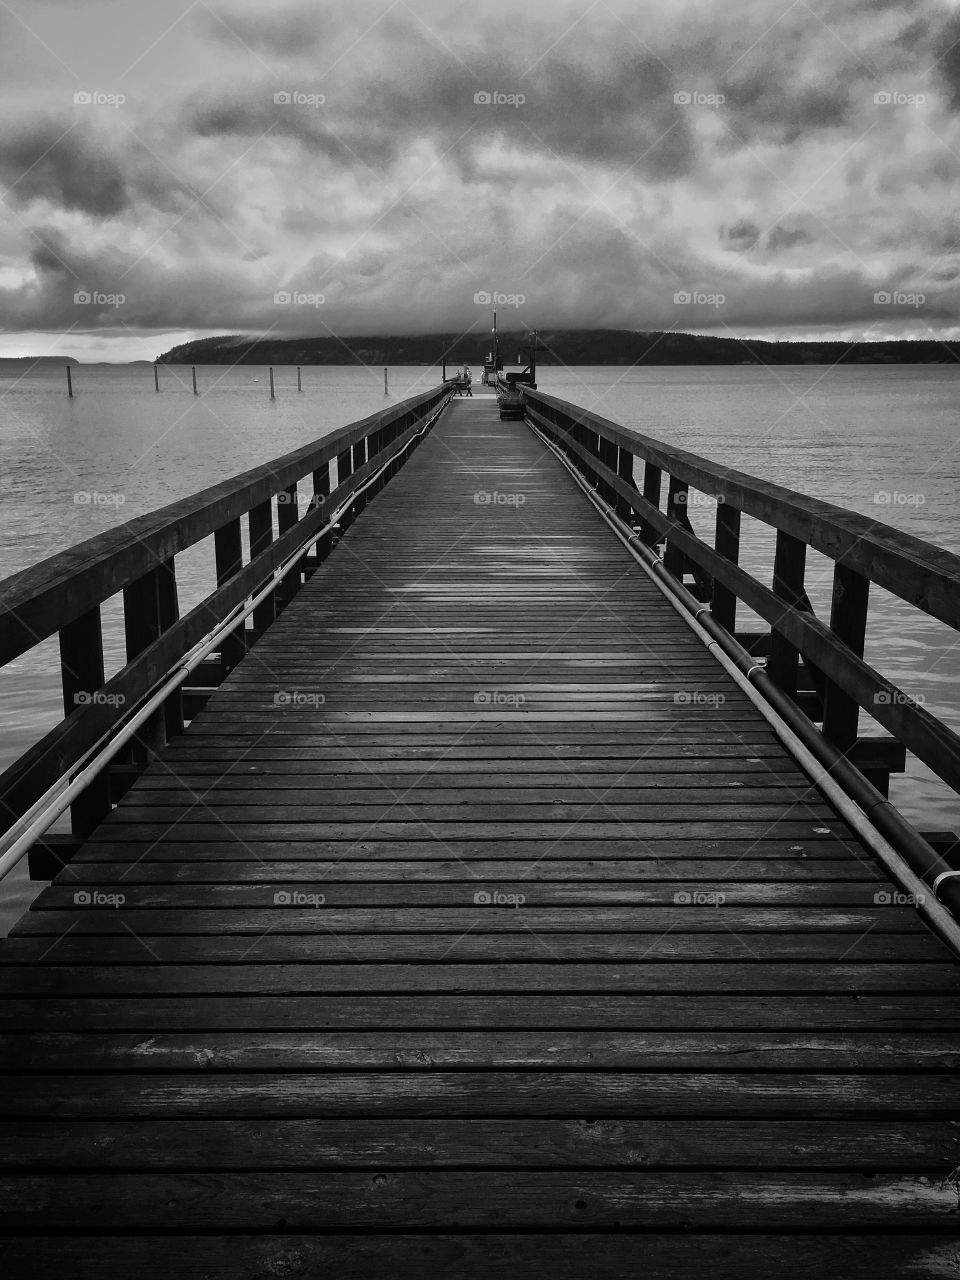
(788, 573)
(228, 553)
(607, 453)
(727, 543)
(81, 669)
(848, 622)
(260, 521)
(169, 612)
(652, 484)
(673, 559)
(344, 470)
(288, 515)
(322, 490)
(625, 461)
(359, 458)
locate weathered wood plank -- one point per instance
(501, 1256)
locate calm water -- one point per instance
(72, 468)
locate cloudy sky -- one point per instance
(756, 167)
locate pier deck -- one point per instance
(479, 925)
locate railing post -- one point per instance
(848, 622)
(652, 484)
(727, 543)
(322, 490)
(344, 470)
(288, 515)
(81, 668)
(359, 458)
(788, 572)
(608, 454)
(260, 521)
(625, 462)
(150, 606)
(228, 553)
(674, 560)
(169, 612)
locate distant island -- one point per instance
(564, 346)
(21, 364)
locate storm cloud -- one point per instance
(393, 160)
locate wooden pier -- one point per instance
(478, 923)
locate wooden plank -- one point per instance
(519, 1051)
(470, 891)
(491, 1093)
(92, 919)
(503, 1256)
(823, 1011)
(675, 1143)
(522, 945)
(478, 1200)
(523, 980)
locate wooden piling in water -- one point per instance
(272, 395)
(386, 387)
(194, 372)
(156, 377)
(69, 383)
(299, 384)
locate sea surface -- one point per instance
(882, 440)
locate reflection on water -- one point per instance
(881, 440)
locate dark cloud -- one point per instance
(764, 105)
(743, 234)
(65, 165)
(947, 54)
(787, 237)
(621, 112)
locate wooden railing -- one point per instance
(64, 594)
(800, 647)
